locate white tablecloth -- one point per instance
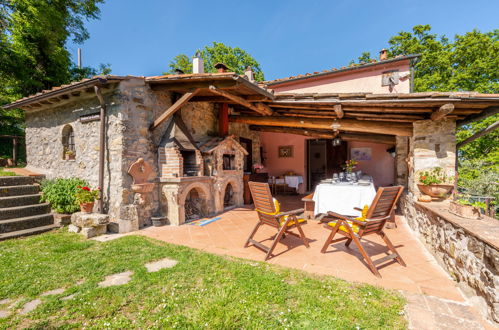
(342, 198)
(293, 181)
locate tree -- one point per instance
(236, 59)
(468, 63)
(33, 56)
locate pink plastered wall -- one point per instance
(276, 166)
(381, 166)
(357, 81)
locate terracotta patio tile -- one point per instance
(228, 235)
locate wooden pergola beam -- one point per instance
(400, 129)
(481, 133)
(443, 111)
(297, 131)
(482, 115)
(174, 108)
(261, 109)
(375, 138)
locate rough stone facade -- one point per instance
(44, 146)
(131, 108)
(402, 152)
(433, 144)
(469, 259)
(242, 130)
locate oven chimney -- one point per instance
(197, 63)
(249, 74)
(383, 54)
(221, 67)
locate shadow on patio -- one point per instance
(228, 235)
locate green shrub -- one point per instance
(61, 194)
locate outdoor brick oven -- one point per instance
(198, 179)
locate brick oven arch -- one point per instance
(203, 192)
(237, 187)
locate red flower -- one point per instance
(423, 178)
(86, 188)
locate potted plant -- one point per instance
(86, 198)
(434, 182)
(350, 165)
(257, 167)
(463, 207)
(69, 154)
(61, 194)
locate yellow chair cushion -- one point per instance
(355, 227)
(282, 220)
(291, 223)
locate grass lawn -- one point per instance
(201, 291)
(6, 173)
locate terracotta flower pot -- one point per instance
(465, 211)
(436, 190)
(87, 207)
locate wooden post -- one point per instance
(443, 111)
(14, 150)
(223, 120)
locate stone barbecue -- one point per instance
(199, 179)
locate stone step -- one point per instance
(11, 201)
(24, 211)
(27, 232)
(19, 190)
(17, 224)
(16, 180)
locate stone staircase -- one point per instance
(21, 212)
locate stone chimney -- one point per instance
(221, 67)
(383, 54)
(197, 63)
(249, 74)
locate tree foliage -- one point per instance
(33, 54)
(236, 59)
(469, 62)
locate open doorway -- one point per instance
(247, 144)
(324, 159)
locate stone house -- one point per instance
(200, 133)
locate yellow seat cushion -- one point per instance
(282, 220)
(291, 223)
(355, 227)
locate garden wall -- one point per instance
(467, 249)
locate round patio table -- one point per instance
(342, 197)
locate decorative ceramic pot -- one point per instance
(465, 211)
(87, 207)
(436, 190)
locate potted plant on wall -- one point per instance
(463, 207)
(434, 182)
(86, 198)
(69, 154)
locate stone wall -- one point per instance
(469, 258)
(433, 144)
(402, 152)
(242, 130)
(44, 146)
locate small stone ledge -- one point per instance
(486, 229)
(467, 249)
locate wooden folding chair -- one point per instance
(375, 218)
(269, 214)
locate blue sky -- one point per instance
(286, 37)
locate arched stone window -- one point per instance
(68, 143)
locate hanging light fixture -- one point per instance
(335, 125)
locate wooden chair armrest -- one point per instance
(346, 218)
(294, 212)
